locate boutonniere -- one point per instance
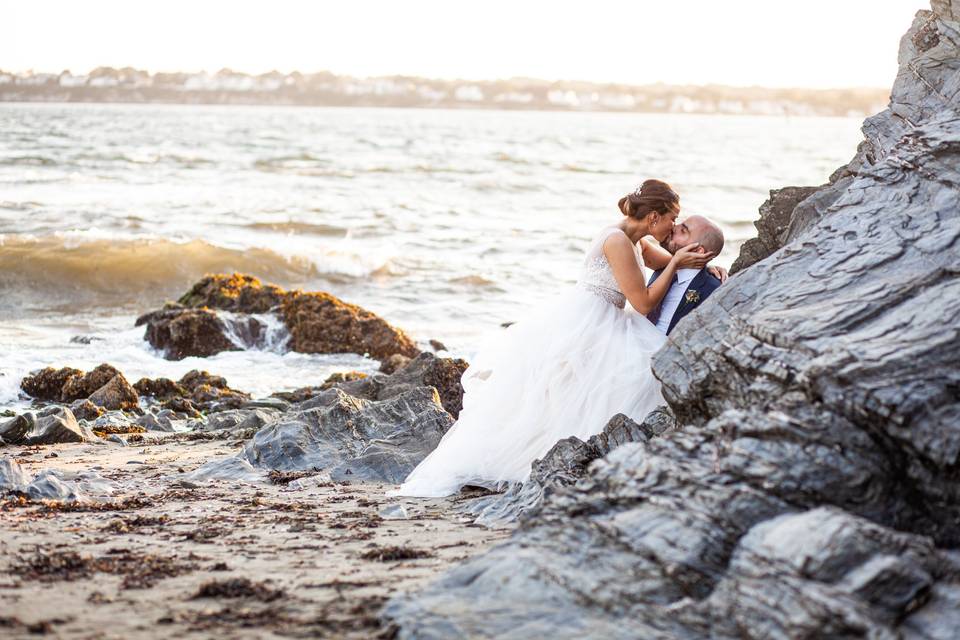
(692, 296)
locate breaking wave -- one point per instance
(51, 274)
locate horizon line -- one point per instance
(153, 72)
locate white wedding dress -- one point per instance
(564, 371)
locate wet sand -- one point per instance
(174, 558)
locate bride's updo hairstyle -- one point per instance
(653, 196)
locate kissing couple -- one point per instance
(583, 357)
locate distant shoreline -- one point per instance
(132, 86)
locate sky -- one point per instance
(777, 43)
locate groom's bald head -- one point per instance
(696, 229)
(706, 233)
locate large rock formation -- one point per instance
(315, 322)
(350, 438)
(814, 490)
(924, 91)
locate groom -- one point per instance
(690, 286)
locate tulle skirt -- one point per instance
(563, 371)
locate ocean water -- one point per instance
(446, 223)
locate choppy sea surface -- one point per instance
(446, 223)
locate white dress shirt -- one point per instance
(673, 297)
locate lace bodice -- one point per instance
(597, 276)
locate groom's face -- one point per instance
(683, 234)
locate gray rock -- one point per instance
(562, 466)
(112, 419)
(351, 438)
(787, 214)
(150, 422)
(52, 484)
(167, 421)
(320, 480)
(394, 512)
(13, 431)
(267, 403)
(814, 489)
(12, 476)
(117, 439)
(839, 575)
(49, 486)
(232, 468)
(426, 370)
(53, 425)
(239, 419)
(176, 421)
(322, 399)
(772, 226)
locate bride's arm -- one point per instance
(654, 256)
(628, 274)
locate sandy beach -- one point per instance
(167, 555)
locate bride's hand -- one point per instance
(688, 258)
(719, 273)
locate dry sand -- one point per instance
(177, 559)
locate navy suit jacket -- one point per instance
(704, 283)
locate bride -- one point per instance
(567, 369)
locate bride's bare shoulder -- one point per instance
(617, 243)
(615, 236)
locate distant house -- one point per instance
(237, 83)
(515, 97)
(200, 82)
(269, 81)
(617, 101)
(563, 98)
(430, 94)
(68, 80)
(683, 104)
(731, 106)
(37, 79)
(468, 93)
(104, 81)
